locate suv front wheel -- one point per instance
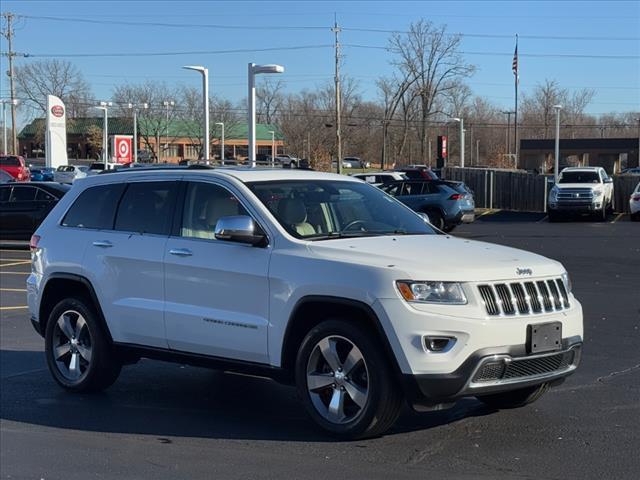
(346, 382)
(77, 350)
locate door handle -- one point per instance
(102, 243)
(181, 252)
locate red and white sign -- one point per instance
(122, 145)
(57, 111)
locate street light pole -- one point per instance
(205, 105)
(460, 120)
(254, 70)
(273, 147)
(134, 107)
(556, 165)
(221, 142)
(167, 104)
(104, 106)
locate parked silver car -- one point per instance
(69, 173)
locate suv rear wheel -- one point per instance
(514, 398)
(345, 381)
(77, 351)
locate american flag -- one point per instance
(514, 65)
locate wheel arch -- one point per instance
(65, 285)
(310, 310)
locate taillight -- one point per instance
(456, 196)
(33, 243)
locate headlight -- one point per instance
(567, 281)
(432, 292)
(553, 194)
(597, 193)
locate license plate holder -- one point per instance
(544, 337)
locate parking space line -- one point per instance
(13, 289)
(617, 218)
(21, 307)
(21, 262)
(491, 211)
(543, 219)
(14, 273)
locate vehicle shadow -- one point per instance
(169, 400)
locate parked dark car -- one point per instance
(44, 174)
(447, 204)
(23, 206)
(418, 173)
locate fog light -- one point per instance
(439, 344)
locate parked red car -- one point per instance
(15, 166)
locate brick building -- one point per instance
(179, 140)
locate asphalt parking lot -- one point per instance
(163, 420)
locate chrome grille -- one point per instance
(575, 196)
(521, 368)
(524, 298)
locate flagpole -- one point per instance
(515, 123)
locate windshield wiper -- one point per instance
(335, 235)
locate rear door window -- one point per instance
(95, 207)
(147, 207)
(42, 196)
(5, 193)
(23, 194)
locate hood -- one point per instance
(437, 257)
(595, 186)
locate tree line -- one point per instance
(415, 103)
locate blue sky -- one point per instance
(616, 81)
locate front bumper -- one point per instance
(495, 370)
(575, 207)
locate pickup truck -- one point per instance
(581, 190)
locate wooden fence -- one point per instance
(523, 191)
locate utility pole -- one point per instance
(336, 29)
(8, 34)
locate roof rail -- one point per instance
(157, 168)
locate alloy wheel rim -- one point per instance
(337, 379)
(72, 347)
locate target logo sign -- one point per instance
(122, 148)
(57, 111)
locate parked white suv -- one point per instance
(314, 279)
(581, 190)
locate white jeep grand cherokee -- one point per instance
(315, 279)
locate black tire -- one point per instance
(383, 398)
(515, 398)
(601, 215)
(635, 217)
(436, 219)
(103, 367)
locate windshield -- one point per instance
(325, 209)
(97, 166)
(579, 177)
(10, 161)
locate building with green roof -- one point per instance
(179, 140)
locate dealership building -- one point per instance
(178, 140)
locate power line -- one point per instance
(166, 54)
(177, 25)
(509, 54)
(495, 35)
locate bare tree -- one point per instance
(269, 100)
(152, 121)
(428, 57)
(53, 77)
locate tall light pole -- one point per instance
(134, 107)
(460, 120)
(205, 105)
(167, 104)
(273, 147)
(104, 106)
(251, 100)
(221, 142)
(556, 165)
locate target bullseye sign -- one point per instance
(121, 148)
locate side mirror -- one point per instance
(425, 217)
(608, 180)
(241, 229)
